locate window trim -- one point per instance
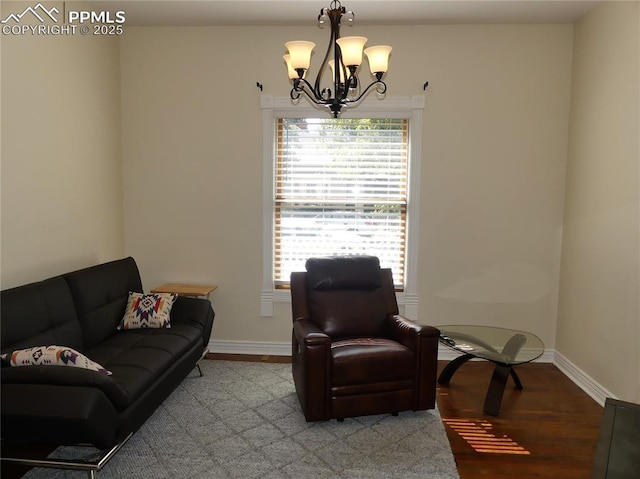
(391, 107)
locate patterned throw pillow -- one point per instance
(52, 356)
(148, 311)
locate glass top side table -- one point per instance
(502, 346)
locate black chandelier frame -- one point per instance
(337, 98)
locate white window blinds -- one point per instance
(340, 188)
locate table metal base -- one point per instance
(501, 373)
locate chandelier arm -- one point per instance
(377, 83)
(298, 89)
(352, 82)
(316, 88)
(334, 13)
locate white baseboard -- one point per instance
(575, 374)
(585, 382)
(258, 348)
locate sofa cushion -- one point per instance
(148, 311)
(137, 357)
(39, 313)
(100, 295)
(51, 356)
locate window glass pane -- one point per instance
(341, 188)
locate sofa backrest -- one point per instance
(100, 296)
(39, 314)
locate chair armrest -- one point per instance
(308, 333)
(310, 361)
(408, 332)
(423, 341)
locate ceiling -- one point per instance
(367, 12)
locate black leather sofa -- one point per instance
(61, 405)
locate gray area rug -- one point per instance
(243, 420)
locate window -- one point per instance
(340, 188)
(320, 198)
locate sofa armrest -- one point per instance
(60, 415)
(194, 311)
(66, 377)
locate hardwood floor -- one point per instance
(552, 422)
(547, 430)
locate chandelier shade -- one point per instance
(332, 65)
(344, 57)
(378, 57)
(351, 48)
(290, 71)
(300, 53)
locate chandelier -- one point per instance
(344, 64)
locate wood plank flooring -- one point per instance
(547, 430)
(551, 425)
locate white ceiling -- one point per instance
(367, 12)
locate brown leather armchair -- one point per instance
(352, 353)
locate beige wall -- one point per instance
(496, 137)
(493, 166)
(598, 323)
(61, 168)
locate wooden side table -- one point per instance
(181, 289)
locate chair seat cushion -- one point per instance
(370, 360)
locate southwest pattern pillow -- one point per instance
(148, 311)
(52, 356)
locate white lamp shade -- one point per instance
(333, 74)
(351, 48)
(378, 57)
(292, 73)
(300, 53)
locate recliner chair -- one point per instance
(352, 353)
